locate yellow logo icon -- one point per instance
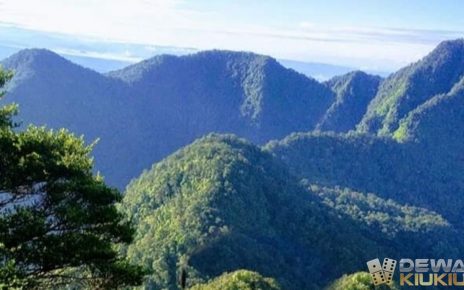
(382, 273)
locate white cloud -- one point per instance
(167, 22)
(112, 19)
(125, 57)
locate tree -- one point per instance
(359, 281)
(239, 280)
(58, 221)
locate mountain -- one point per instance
(54, 92)
(220, 91)
(412, 86)
(354, 91)
(437, 128)
(148, 110)
(382, 166)
(437, 122)
(222, 204)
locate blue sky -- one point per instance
(368, 34)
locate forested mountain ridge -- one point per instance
(148, 110)
(354, 91)
(405, 90)
(222, 204)
(244, 93)
(436, 122)
(383, 166)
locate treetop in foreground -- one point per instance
(239, 280)
(58, 221)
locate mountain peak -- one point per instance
(450, 45)
(211, 58)
(33, 56)
(230, 53)
(354, 91)
(405, 90)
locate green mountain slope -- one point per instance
(436, 127)
(408, 173)
(408, 230)
(410, 87)
(437, 123)
(222, 204)
(354, 91)
(148, 110)
(226, 205)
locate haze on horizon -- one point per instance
(381, 35)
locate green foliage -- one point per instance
(391, 171)
(385, 216)
(239, 280)
(358, 281)
(354, 91)
(404, 229)
(222, 204)
(413, 86)
(436, 123)
(57, 220)
(379, 165)
(6, 112)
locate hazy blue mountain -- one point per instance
(354, 92)
(412, 86)
(148, 110)
(54, 92)
(248, 94)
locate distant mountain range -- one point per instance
(145, 111)
(104, 56)
(102, 63)
(333, 173)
